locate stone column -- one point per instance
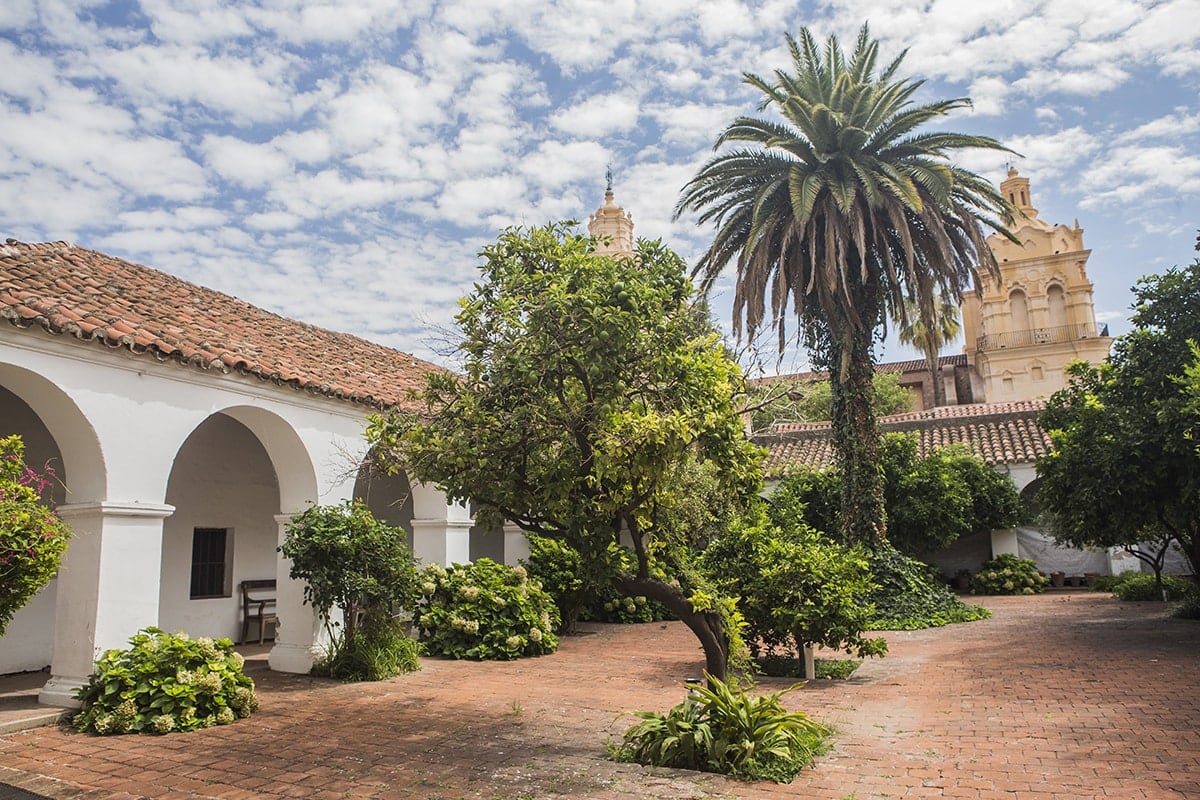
(299, 635)
(108, 588)
(516, 544)
(441, 529)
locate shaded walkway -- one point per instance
(1068, 695)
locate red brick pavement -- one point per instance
(1068, 695)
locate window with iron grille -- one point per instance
(210, 573)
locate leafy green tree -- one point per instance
(931, 501)
(32, 537)
(590, 386)
(835, 210)
(351, 561)
(929, 328)
(796, 587)
(1124, 468)
(812, 401)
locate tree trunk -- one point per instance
(935, 373)
(855, 429)
(708, 626)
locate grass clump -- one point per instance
(380, 649)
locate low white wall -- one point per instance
(28, 643)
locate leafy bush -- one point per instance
(795, 588)
(32, 537)
(381, 649)
(165, 682)
(911, 595)
(721, 729)
(586, 595)
(1189, 608)
(1136, 586)
(485, 610)
(1106, 583)
(559, 568)
(931, 501)
(790, 666)
(1009, 574)
(352, 561)
(611, 606)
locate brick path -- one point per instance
(1068, 695)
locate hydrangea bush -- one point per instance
(163, 683)
(1008, 574)
(485, 610)
(32, 537)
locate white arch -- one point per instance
(83, 457)
(293, 464)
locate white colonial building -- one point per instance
(187, 426)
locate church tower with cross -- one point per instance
(1038, 317)
(611, 225)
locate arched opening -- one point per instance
(1056, 302)
(28, 643)
(389, 497)
(55, 433)
(226, 495)
(1019, 308)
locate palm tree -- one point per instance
(928, 329)
(835, 210)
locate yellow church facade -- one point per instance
(1023, 329)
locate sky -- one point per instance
(343, 163)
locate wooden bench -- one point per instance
(258, 606)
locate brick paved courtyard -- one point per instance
(1065, 695)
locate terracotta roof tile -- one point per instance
(95, 297)
(999, 433)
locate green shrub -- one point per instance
(796, 587)
(380, 649)
(724, 730)
(32, 537)
(590, 597)
(1107, 583)
(349, 560)
(1136, 586)
(485, 610)
(559, 568)
(1189, 608)
(610, 605)
(165, 682)
(911, 595)
(790, 666)
(1008, 574)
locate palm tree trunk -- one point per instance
(935, 373)
(855, 430)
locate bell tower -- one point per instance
(1038, 317)
(611, 225)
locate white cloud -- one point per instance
(1128, 172)
(598, 116)
(245, 163)
(468, 202)
(245, 89)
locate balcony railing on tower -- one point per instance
(1032, 336)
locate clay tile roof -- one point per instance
(999, 433)
(65, 289)
(900, 367)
